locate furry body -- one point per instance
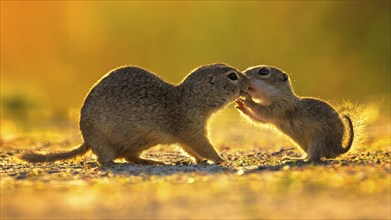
(130, 110)
(311, 123)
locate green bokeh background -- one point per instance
(53, 52)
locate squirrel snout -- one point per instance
(245, 94)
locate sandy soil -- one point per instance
(254, 183)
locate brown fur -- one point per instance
(130, 110)
(312, 123)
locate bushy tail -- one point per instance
(351, 135)
(50, 157)
(358, 117)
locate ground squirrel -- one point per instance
(130, 110)
(312, 123)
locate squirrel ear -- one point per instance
(284, 77)
(211, 80)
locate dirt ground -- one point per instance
(254, 183)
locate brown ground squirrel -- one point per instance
(130, 110)
(312, 123)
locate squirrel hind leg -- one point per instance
(105, 155)
(286, 158)
(136, 159)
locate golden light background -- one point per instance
(53, 52)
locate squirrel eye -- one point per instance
(263, 71)
(232, 76)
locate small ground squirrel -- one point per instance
(130, 110)
(312, 123)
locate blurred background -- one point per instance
(53, 52)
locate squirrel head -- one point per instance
(217, 84)
(268, 84)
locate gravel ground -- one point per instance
(253, 183)
(237, 161)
